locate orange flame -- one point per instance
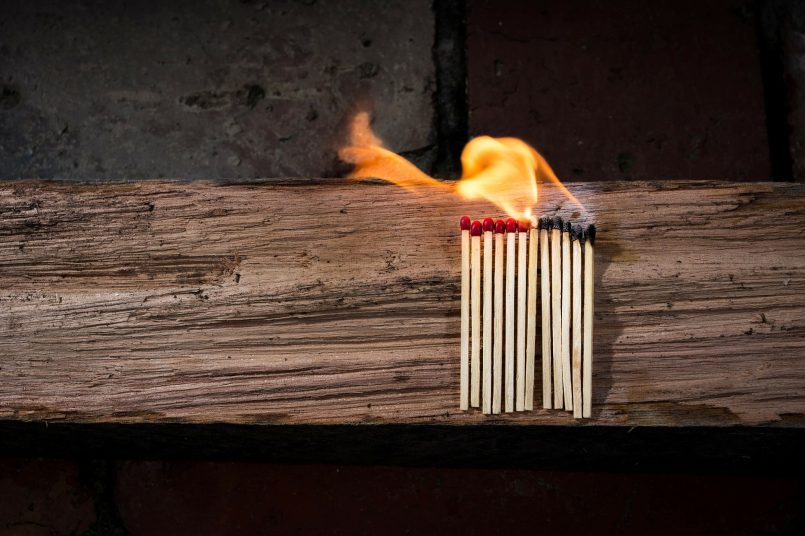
(504, 171)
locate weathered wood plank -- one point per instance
(329, 302)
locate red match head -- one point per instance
(524, 225)
(489, 225)
(500, 226)
(475, 229)
(511, 225)
(464, 222)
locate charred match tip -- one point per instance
(524, 226)
(500, 226)
(489, 225)
(511, 225)
(465, 223)
(568, 226)
(475, 229)
(576, 232)
(556, 223)
(547, 224)
(590, 234)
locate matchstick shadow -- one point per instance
(607, 326)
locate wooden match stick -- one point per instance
(522, 291)
(497, 358)
(567, 386)
(575, 234)
(465, 313)
(531, 325)
(556, 310)
(545, 275)
(589, 301)
(475, 315)
(511, 233)
(486, 366)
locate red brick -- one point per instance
(43, 497)
(624, 88)
(229, 498)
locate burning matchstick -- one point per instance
(575, 234)
(497, 358)
(511, 233)
(567, 386)
(531, 325)
(545, 280)
(522, 241)
(589, 292)
(556, 310)
(475, 315)
(465, 224)
(486, 367)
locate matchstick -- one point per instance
(531, 325)
(465, 313)
(556, 310)
(522, 278)
(589, 300)
(486, 366)
(545, 280)
(475, 315)
(511, 232)
(575, 233)
(497, 358)
(566, 297)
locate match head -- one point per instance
(475, 228)
(556, 223)
(568, 226)
(523, 226)
(511, 225)
(500, 226)
(465, 223)
(489, 225)
(545, 221)
(576, 232)
(591, 234)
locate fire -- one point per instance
(371, 159)
(504, 171)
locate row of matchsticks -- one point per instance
(559, 253)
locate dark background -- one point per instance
(622, 89)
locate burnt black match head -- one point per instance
(590, 234)
(557, 223)
(576, 232)
(568, 226)
(545, 223)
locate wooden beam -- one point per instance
(328, 302)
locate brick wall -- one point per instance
(196, 498)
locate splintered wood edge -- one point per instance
(330, 301)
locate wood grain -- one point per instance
(327, 302)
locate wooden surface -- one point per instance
(325, 302)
